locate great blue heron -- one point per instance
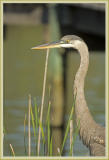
(91, 133)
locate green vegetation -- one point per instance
(46, 140)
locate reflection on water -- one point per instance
(23, 75)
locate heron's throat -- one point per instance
(82, 71)
(80, 102)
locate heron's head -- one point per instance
(69, 41)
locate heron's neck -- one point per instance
(81, 73)
(80, 102)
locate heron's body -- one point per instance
(92, 134)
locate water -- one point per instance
(23, 75)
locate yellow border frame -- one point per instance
(1, 74)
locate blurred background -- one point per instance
(26, 25)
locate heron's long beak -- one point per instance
(49, 45)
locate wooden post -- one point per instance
(56, 76)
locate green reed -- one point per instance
(47, 140)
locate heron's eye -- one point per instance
(68, 41)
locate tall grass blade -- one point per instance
(33, 122)
(67, 129)
(51, 147)
(12, 150)
(74, 138)
(36, 121)
(48, 131)
(42, 131)
(36, 115)
(43, 95)
(29, 126)
(59, 152)
(48, 126)
(71, 137)
(25, 135)
(68, 125)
